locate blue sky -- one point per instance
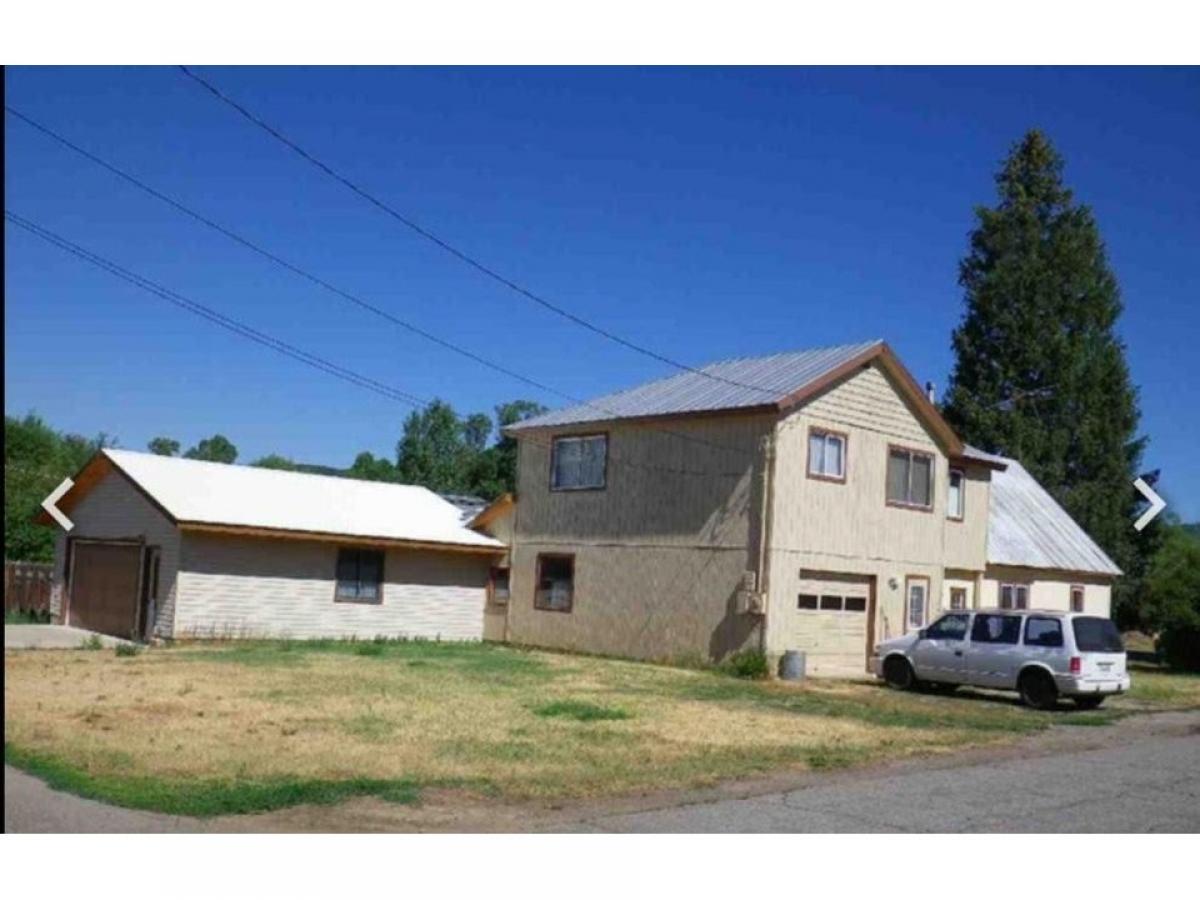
(705, 213)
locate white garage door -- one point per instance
(830, 622)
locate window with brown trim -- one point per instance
(498, 590)
(909, 478)
(579, 462)
(826, 454)
(555, 588)
(359, 576)
(1014, 596)
(1076, 598)
(956, 495)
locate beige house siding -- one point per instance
(250, 586)
(116, 510)
(1050, 590)
(971, 582)
(495, 615)
(660, 552)
(834, 527)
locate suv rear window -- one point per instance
(1096, 635)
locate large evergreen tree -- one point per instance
(1040, 374)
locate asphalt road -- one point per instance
(1140, 775)
(1135, 783)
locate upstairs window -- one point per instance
(909, 478)
(579, 463)
(826, 455)
(955, 501)
(359, 576)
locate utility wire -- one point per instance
(215, 317)
(334, 289)
(290, 350)
(454, 251)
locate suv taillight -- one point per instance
(1076, 665)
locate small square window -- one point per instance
(807, 601)
(1076, 598)
(579, 463)
(359, 576)
(856, 604)
(1014, 596)
(958, 598)
(829, 602)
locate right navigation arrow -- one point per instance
(1157, 504)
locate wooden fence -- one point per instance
(27, 586)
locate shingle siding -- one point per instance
(241, 586)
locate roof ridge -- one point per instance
(827, 348)
(269, 472)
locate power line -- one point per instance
(454, 251)
(317, 280)
(290, 350)
(217, 318)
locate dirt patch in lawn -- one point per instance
(205, 729)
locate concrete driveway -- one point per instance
(51, 637)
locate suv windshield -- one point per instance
(1095, 635)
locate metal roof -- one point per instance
(207, 493)
(1027, 527)
(732, 384)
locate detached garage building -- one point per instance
(165, 547)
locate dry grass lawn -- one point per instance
(237, 727)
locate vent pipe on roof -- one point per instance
(931, 391)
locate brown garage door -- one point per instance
(104, 587)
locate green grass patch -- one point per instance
(203, 798)
(91, 642)
(27, 617)
(128, 649)
(488, 661)
(1088, 719)
(370, 727)
(580, 711)
(881, 706)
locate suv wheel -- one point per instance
(898, 673)
(1038, 689)
(1092, 702)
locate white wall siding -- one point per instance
(240, 586)
(1049, 590)
(115, 509)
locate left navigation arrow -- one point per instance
(56, 513)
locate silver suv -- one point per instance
(1042, 654)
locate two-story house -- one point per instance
(815, 501)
